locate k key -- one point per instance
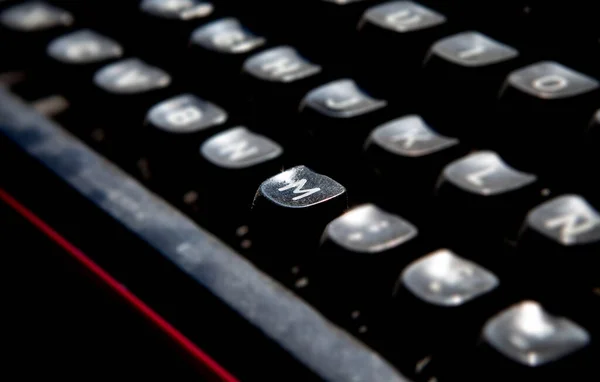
(408, 148)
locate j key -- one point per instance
(166, 25)
(291, 210)
(362, 252)
(340, 111)
(545, 105)
(441, 301)
(526, 342)
(463, 74)
(220, 48)
(128, 88)
(482, 201)
(239, 160)
(26, 29)
(562, 237)
(174, 130)
(78, 55)
(409, 151)
(275, 80)
(394, 38)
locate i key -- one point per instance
(174, 129)
(239, 160)
(290, 211)
(339, 114)
(440, 302)
(77, 56)
(525, 342)
(407, 156)
(275, 81)
(362, 252)
(482, 201)
(463, 74)
(220, 47)
(562, 237)
(547, 106)
(26, 29)
(165, 28)
(394, 39)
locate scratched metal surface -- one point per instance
(321, 346)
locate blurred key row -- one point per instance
(468, 166)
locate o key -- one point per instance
(547, 106)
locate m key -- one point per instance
(291, 210)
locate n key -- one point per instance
(291, 210)
(239, 160)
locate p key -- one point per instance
(548, 106)
(291, 209)
(483, 201)
(562, 236)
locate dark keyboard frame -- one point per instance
(321, 346)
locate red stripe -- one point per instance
(217, 370)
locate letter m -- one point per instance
(297, 186)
